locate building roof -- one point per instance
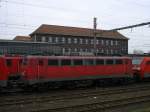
(22, 38)
(76, 31)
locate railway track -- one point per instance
(73, 94)
(100, 106)
(83, 100)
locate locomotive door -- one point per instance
(127, 66)
(41, 68)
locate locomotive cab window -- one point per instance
(109, 62)
(65, 62)
(9, 62)
(78, 62)
(148, 63)
(53, 62)
(119, 61)
(100, 62)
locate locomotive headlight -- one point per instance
(23, 73)
(138, 68)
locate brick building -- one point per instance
(74, 40)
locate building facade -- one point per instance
(28, 48)
(80, 41)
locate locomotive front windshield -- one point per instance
(137, 60)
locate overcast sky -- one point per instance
(21, 17)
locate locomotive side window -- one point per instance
(126, 61)
(9, 62)
(100, 62)
(65, 62)
(41, 62)
(89, 62)
(148, 63)
(53, 62)
(25, 61)
(109, 62)
(119, 61)
(78, 62)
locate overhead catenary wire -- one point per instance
(39, 6)
(131, 26)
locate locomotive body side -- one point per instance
(65, 68)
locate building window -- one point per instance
(66, 49)
(86, 50)
(107, 52)
(56, 39)
(111, 43)
(97, 50)
(116, 52)
(116, 42)
(50, 40)
(107, 42)
(92, 41)
(75, 50)
(75, 41)
(69, 40)
(63, 39)
(92, 50)
(81, 50)
(86, 41)
(47, 39)
(69, 49)
(81, 41)
(97, 41)
(63, 50)
(102, 42)
(112, 51)
(102, 50)
(43, 39)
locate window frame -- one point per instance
(61, 61)
(108, 63)
(56, 63)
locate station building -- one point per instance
(75, 40)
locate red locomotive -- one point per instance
(141, 67)
(10, 69)
(33, 70)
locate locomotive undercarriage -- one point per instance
(15, 81)
(72, 84)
